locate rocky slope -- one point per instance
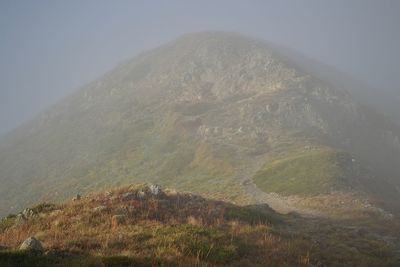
(206, 113)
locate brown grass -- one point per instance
(175, 228)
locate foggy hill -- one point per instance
(207, 112)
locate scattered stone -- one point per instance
(118, 220)
(155, 190)
(77, 197)
(128, 196)
(28, 212)
(32, 244)
(101, 209)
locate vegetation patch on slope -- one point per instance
(306, 173)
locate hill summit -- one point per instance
(215, 113)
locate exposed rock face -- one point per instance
(32, 244)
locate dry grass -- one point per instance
(172, 229)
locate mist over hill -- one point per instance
(214, 113)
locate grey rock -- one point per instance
(28, 212)
(31, 244)
(20, 220)
(155, 190)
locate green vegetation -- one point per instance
(306, 173)
(202, 242)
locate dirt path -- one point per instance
(280, 204)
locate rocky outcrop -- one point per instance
(32, 244)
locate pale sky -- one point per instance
(49, 48)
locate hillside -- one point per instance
(205, 113)
(143, 225)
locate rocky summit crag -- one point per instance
(213, 113)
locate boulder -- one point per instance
(32, 244)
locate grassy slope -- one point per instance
(176, 229)
(155, 150)
(306, 173)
